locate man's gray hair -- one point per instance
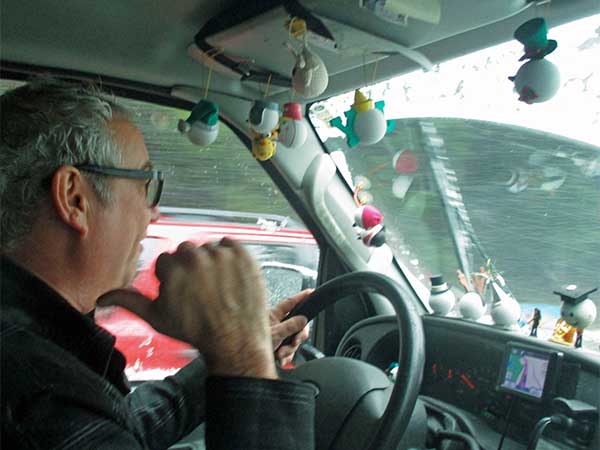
(44, 125)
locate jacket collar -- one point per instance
(29, 303)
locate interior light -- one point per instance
(398, 11)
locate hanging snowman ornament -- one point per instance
(264, 119)
(264, 147)
(309, 75)
(369, 226)
(368, 223)
(405, 164)
(292, 131)
(367, 216)
(373, 237)
(365, 121)
(537, 80)
(202, 126)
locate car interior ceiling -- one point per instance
(150, 51)
(159, 64)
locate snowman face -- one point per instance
(203, 134)
(537, 81)
(580, 315)
(263, 117)
(292, 133)
(370, 126)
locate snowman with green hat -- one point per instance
(538, 79)
(202, 126)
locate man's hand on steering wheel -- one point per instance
(282, 328)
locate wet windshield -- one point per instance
(471, 180)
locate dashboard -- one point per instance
(464, 363)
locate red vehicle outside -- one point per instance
(273, 240)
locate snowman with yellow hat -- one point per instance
(365, 121)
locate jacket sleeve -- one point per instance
(56, 419)
(240, 413)
(165, 411)
(253, 414)
(243, 413)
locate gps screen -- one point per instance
(525, 372)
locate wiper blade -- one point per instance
(461, 229)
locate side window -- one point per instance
(209, 193)
(221, 176)
(216, 191)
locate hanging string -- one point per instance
(210, 54)
(373, 78)
(296, 32)
(213, 52)
(207, 82)
(377, 168)
(541, 3)
(268, 86)
(297, 29)
(359, 187)
(374, 72)
(364, 67)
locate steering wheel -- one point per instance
(351, 411)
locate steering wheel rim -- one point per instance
(411, 358)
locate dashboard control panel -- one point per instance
(503, 381)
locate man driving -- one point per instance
(77, 192)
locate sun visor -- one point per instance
(252, 43)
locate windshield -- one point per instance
(472, 180)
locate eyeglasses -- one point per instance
(154, 184)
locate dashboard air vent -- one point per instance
(353, 351)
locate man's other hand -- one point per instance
(282, 327)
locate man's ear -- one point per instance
(70, 196)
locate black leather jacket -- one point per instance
(63, 387)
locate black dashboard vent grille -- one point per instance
(353, 351)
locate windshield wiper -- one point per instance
(462, 232)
